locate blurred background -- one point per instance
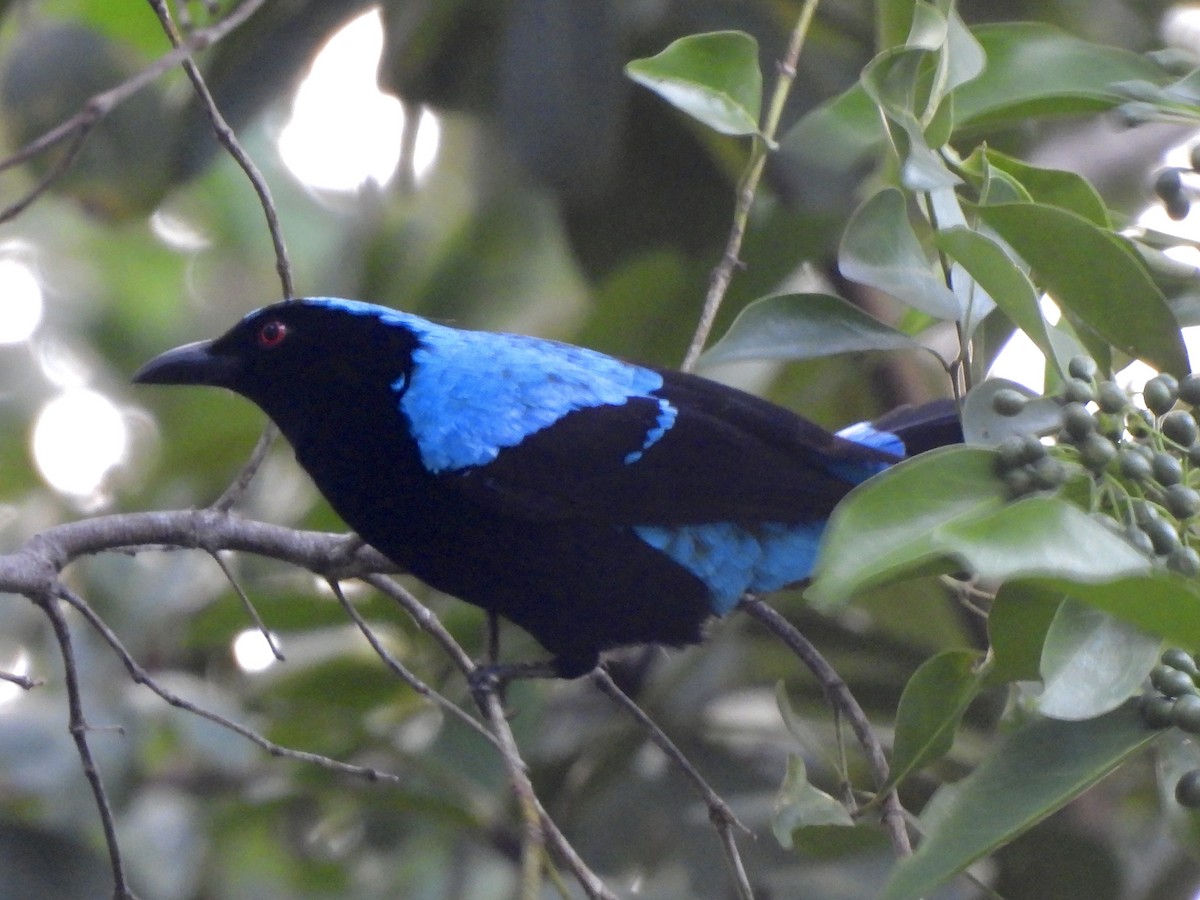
(485, 163)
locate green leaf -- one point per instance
(1157, 602)
(800, 805)
(944, 511)
(997, 274)
(1092, 663)
(1039, 535)
(1097, 277)
(1033, 771)
(1035, 69)
(803, 326)
(1053, 187)
(712, 77)
(931, 707)
(894, 515)
(1017, 624)
(880, 249)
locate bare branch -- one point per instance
(837, 693)
(229, 141)
(402, 672)
(719, 812)
(141, 676)
(22, 681)
(97, 107)
(730, 260)
(250, 610)
(78, 727)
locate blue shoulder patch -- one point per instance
(473, 393)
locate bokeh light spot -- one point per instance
(252, 652)
(20, 301)
(78, 437)
(19, 665)
(344, 131)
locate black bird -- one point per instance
(593, 502)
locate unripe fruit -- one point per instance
(1187, 789)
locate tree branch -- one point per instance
(837, 693)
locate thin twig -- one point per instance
(97, 107)
(22, 681)
(249, 607)
(229, 141)
(141, 676)
(730, 259)
(224, 134)
(237, 488)
(719, 812)
(79, 730)
(838, 694)
(402, 672)
(533, 836)
(547, 831)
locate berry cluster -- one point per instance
(1140, 467)
(1176, 701)
(1172, 189)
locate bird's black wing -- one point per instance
(726, 456)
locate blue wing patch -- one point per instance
(733, 559)
(473, 393)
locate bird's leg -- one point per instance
(495, 677)
(493, 643)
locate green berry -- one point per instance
(1048, 473)
(1179, 425)
(1182, 501)
(1018, 481)
(1184, 560)
(1096, 451)
(1162, 535)
(1111, 397)
(1187, 789)
(1189, 388)
(1008, 402)
(1076, 390)
(1160, 393)
(1141, 423)
(1172, 682)
(1168, 183)
(1177, 207)
(1144, 512)
(1178, 658)
(1167, 469)
(1077, 420)
(1083, 367)
(1156, 710)
(1134, 466)
(1186, 714)
(1139, 539)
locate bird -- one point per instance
(594, 502)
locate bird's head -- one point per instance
(296, 358)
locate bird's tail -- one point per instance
(923, 427)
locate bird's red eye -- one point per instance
(271, 334)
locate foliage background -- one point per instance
(565, 201)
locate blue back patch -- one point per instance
(473, 393)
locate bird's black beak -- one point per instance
(194, 363)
